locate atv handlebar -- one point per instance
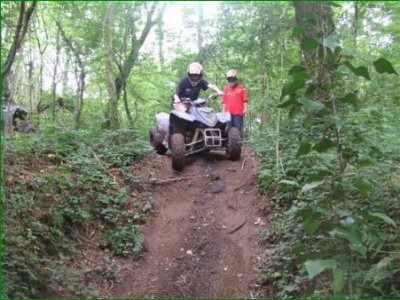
(199, 100)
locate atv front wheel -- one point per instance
(234, 144)
(178, 151)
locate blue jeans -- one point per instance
(237, 121)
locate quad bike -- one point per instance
(198, 129)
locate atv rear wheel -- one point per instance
(234, 144)
(156, 139)
(178, 151)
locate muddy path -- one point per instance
(202, 240)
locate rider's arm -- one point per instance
(215, 88)
(176, 98)
(224, 99)
(245, 100)
(179, 90)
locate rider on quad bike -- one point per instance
(192, 126)
(190, 86)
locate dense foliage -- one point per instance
(329, 169)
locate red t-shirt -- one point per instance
(234, 99)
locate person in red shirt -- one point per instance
(235, 100)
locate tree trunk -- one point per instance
(132, 57)
(79, 75)
(54, 78)
(129, 61)
(355, 35)
(127, 111)
(160, 34)
(20, 31)
(65, 72)
(111, 86)
(42, 50)
(315, 59)
(30, 75)
(81, 84)
(200, 25)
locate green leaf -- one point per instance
(297, 69)
(287, 103)
(289, 182)
(350, 98)
(294, 111)
(309, 43)
(298, 248)
(315, 267)
(305, 147)
(359, 248)
(319, 175)
(311, 224)
(297, 30)
(311, 220)
(310, 18)
(353, 235)
(349, 233)
(338, 280)
(363, 186)
(311, 105)
(384, 66)
(362, 71)
(333, 3)
(310, 186)
(292, 87)
(331, 42)
(383, 217)
(324, 145)
(359, 71)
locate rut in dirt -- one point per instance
(203, 239)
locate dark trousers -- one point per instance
(237, 121)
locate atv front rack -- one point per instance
(212, 139)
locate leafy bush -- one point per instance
(126, 240)
(339, 210)
(55, 185)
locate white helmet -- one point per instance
(195, 68)
(195, 73)
(231, 73)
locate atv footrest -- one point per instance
(212, 137)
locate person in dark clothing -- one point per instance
(191, 85)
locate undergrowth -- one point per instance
(336, 191)
(56, 188)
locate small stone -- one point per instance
(189, 252)
(226, 268)
(217, 186)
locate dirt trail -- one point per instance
(203, 239)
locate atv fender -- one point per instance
(183, 115)
(224, 117)
(162, 120)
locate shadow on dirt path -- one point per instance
(203, 239)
